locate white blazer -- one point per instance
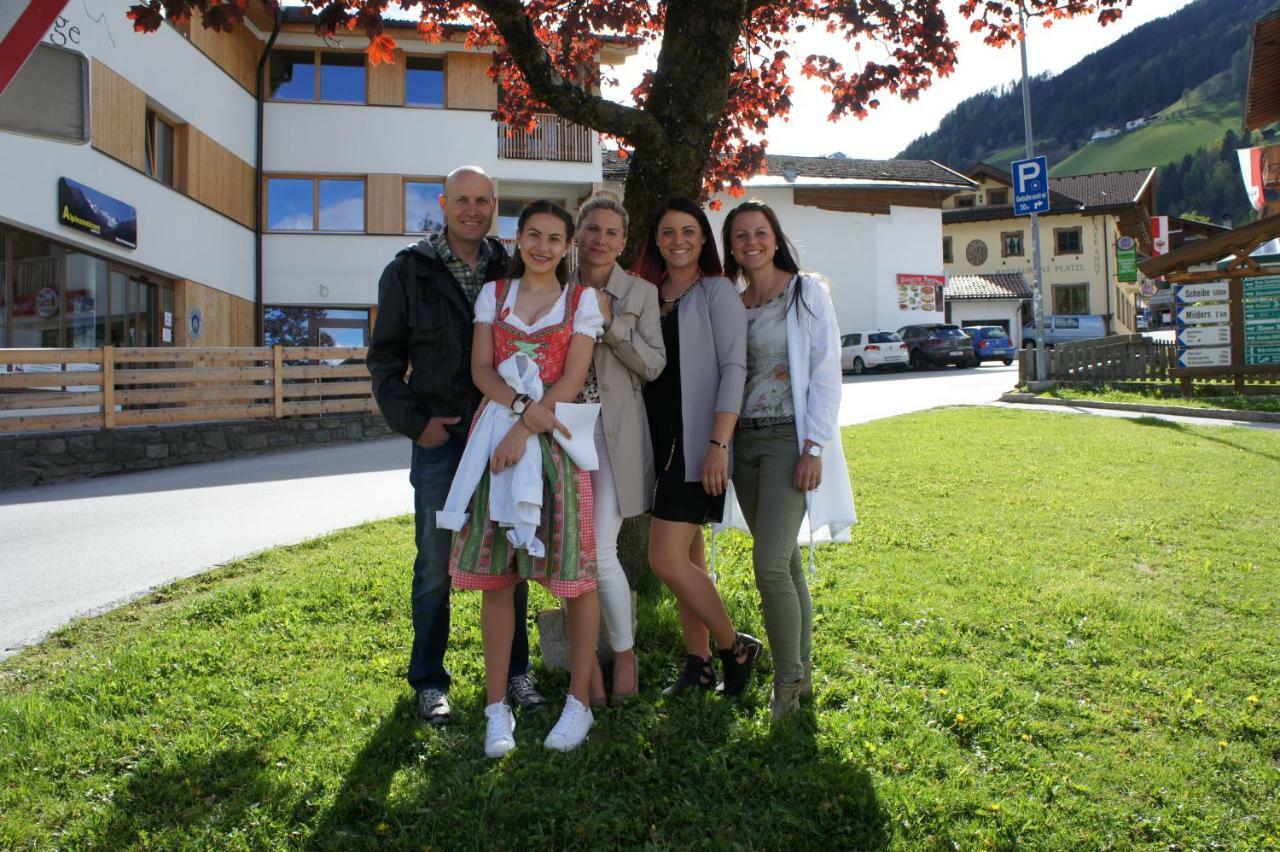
(813, 353)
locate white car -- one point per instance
(868, 350)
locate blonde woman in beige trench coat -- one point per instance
(628, 354)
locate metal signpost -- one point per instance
(1031, 196)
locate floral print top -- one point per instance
(768, 391)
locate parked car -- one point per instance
(1064, 329)
(991, 343)
(871, 350)
(937, 344)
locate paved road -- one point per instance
(79, 548)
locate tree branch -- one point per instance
(549, 85)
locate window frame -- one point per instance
(404, 199)
(444, 80)
(153, 121)
(948, 250)
(1059, 233)
(1004, 245)
(317, 65)
(966, 202)
(86, 101)
(1066, 288)
(315, 179)
(1003, 195)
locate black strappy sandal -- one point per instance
(698, 674)
(738, 662)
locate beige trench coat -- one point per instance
(629, 354)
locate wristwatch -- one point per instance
(813, 450)
(520, 404)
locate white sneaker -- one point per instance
(571, 730)
(500, 732)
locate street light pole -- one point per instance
(1037, 297)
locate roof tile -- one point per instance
(1000, 285)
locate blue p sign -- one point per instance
(1030, 186)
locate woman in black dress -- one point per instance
(693, 407)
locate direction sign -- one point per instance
(1257, 334)
(1205, 356)
(1030, 186)
(1257, 358)
(1262, 309)
(1204, 335)
(1214, 291)
(1261, 327)
(1268, 287)
(1204, 313)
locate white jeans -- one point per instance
(614, 590)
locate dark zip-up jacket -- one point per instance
(420, 351)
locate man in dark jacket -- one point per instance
(424, 327)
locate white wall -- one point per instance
(860, 254)
(177, 237)
(321, 269)
(359, 139)
(971, 311)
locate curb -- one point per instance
(1180, 411)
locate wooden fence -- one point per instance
(62, 389)
(1125, 358)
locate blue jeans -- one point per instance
(431, 473)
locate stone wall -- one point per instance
(37, 459)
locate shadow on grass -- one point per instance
(1201, 435)
(695, 771)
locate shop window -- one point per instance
(36, 271)
(159, 144)
(946, 250)
(86, 300)
(49, 96)
(997, 197)
(424, 81)
(1068, 241)
(1011, 244)
(307, 326)
(310, 204)
(422, 213)
(308, 75)
(1071, 298)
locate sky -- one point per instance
(895, 123)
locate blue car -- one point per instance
(991, 343)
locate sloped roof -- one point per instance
(999, 285)
(1104, 189)
(838, 168)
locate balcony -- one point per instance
(556, 139)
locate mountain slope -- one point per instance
(1145, 72)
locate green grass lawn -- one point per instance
(1050, 632)
(1210, 398)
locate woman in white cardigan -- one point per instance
(788, 463)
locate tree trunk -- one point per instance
(688, 100)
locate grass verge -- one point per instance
(1210, 401)
(1030, 641)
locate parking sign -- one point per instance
(1030, 186)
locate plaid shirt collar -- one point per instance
(471, 280)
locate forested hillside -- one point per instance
(1141, 74)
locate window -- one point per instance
(48, 97)
(422, 213)
(305, 326)
(1068, 241)
(996, 197)
(509, 217)
(851, 340)
(946, 250)
(424, 81)
(1070, 299)
(1011, 244)
(965, 201)
(315, 204)
(885, 337)
(159, 143)
(306, 75)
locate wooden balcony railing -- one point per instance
(555, 138)
(63, 389)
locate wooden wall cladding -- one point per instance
(214, 176)
(384, 197)
(226, 320)
(386, 82)
(119, 117)
(467, 83)
(236, 52)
